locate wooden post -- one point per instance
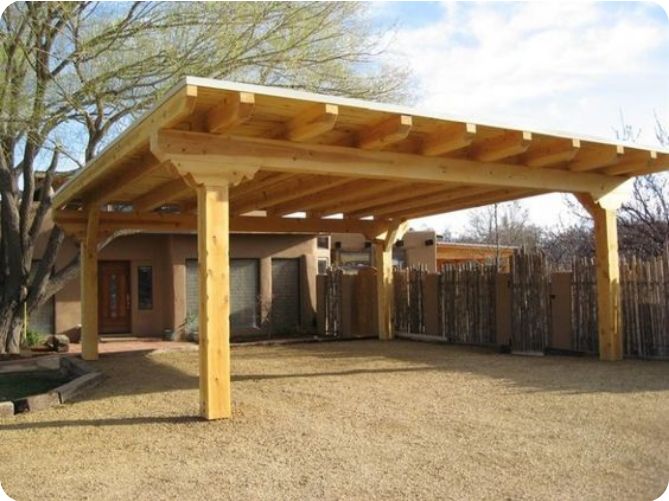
(214, 267)
(89, 286)
(383, 259)
(609, 325)
(608, 284)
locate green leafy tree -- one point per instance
(73, 74)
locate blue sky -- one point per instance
(571, 67)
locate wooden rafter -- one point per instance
(468, 202)
(639, 160)
(390, 131)
(224, 152)
(364, 206)
(325, 202)
(556, 152)
(263, 181)
(162, 195)
(449, 139)
(502, 146)
(313, 122)
(596, 157)
(235, 109)
(289, 190)
(430, 200)
(146, 165)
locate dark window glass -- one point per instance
(322, 265)
(145, 287)
(323, 242)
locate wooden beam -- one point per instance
(659, 165)
(363, 207)
(596, 156)
(449, 140)
(146, 165)
(235, 110)
(438, 198)
(89, 284)
(157, 222)
(632, 162)
(289, 190)
(162, 195)
(214, 154)
(494, 196)
(313, 122)
(556, 152)
(501, 147)
(334, 201)
(214, 331)
(253, 185)
(169, 113)
(390, 131)
(336, 196)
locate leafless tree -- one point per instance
(508, 225)
(643, 222)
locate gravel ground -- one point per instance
(360, 420)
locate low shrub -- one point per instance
(32, 339)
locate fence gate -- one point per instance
(467, 303)
(530, 302)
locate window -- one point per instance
(145, 287)
(244, 291)
(323, 242)
(322, 265)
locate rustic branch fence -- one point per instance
(467, 303)
(460, 305)
(644, 291)
(408, 286)
(333, 302)
(530, 302)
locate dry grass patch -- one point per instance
(363, 420)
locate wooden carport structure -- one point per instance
(215, 157)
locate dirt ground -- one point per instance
(352, 420)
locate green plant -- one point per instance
(191, 326)
(32, 339)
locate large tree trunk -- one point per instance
(10, 329)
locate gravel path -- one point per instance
(355, 420)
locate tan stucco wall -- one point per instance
(167, 255)
(418, 253)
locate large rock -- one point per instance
(59, 343)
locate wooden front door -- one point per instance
(114, 297)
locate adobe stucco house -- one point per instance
(148, 283)
(416, 248)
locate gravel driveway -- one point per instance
(352, 420)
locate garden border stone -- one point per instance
(85, 377)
